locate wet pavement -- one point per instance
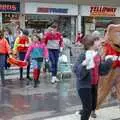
(17, 99)
(21, 102)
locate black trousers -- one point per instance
(86, 99)
(94, 96)
(21, 57)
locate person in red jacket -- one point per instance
(4, 49)
(79, 38)
(54, 41)
(21, 46)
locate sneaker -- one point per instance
(56, 79)
(53, 80)
(29, 78)
(35, 83)
(79, 112)
(93, 114)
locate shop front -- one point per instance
(98, 18)
(9, 13)
(42, 15)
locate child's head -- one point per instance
(36, 38)
(88, 42)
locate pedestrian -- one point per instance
(9, 37)
(21, 45)
(54, 42)
(88, 73)
(78, 40)
(37, 51)
(4, 49)
(67, 50)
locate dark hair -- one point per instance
(37, 37)
(54, 25)
(25, 32)
(88, 41)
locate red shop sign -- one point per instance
(102, 11)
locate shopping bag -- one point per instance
(63, 59)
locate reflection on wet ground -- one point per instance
(18, 99)
(21, 102)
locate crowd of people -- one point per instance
(33, 49)
(46, 48)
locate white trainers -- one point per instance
(53, 80)
(56, 79)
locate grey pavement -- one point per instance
(47, 102)
(21, 102)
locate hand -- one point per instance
(46, 60)
(61, 49)
(25, 60)
(10, 56)
(112, 57)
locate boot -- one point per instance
(35, 83)
(2, 77)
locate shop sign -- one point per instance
(102, 11)
(9, 7)
(52, 10)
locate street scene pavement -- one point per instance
(57, 101)
(48, 101)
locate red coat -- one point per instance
(109, 50)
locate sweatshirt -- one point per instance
(37, 50)
(53, 40)
(4, 46)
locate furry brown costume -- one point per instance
(111, 47)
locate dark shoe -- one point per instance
(80, 112)
(35, 83)
(3, 84)
(28, 82)
(29, 78)
(93, 114)
(38, 82)
(21, 79)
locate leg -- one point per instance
(21, 57)
(36, 72)
(94, 100)
(94, 96)
(28, 70)
(52, 61)
(2, 76)
(86, 99)
(56, 56)
(52, 67)
(2, 65)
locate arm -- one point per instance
(45, 38)
(28, 53)
(16, 44)
(105, 67)
(45, 52)
(61, 41)
(8, 47)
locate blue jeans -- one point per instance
(53, 57)
(2, 66)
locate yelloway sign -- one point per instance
(102, 11)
